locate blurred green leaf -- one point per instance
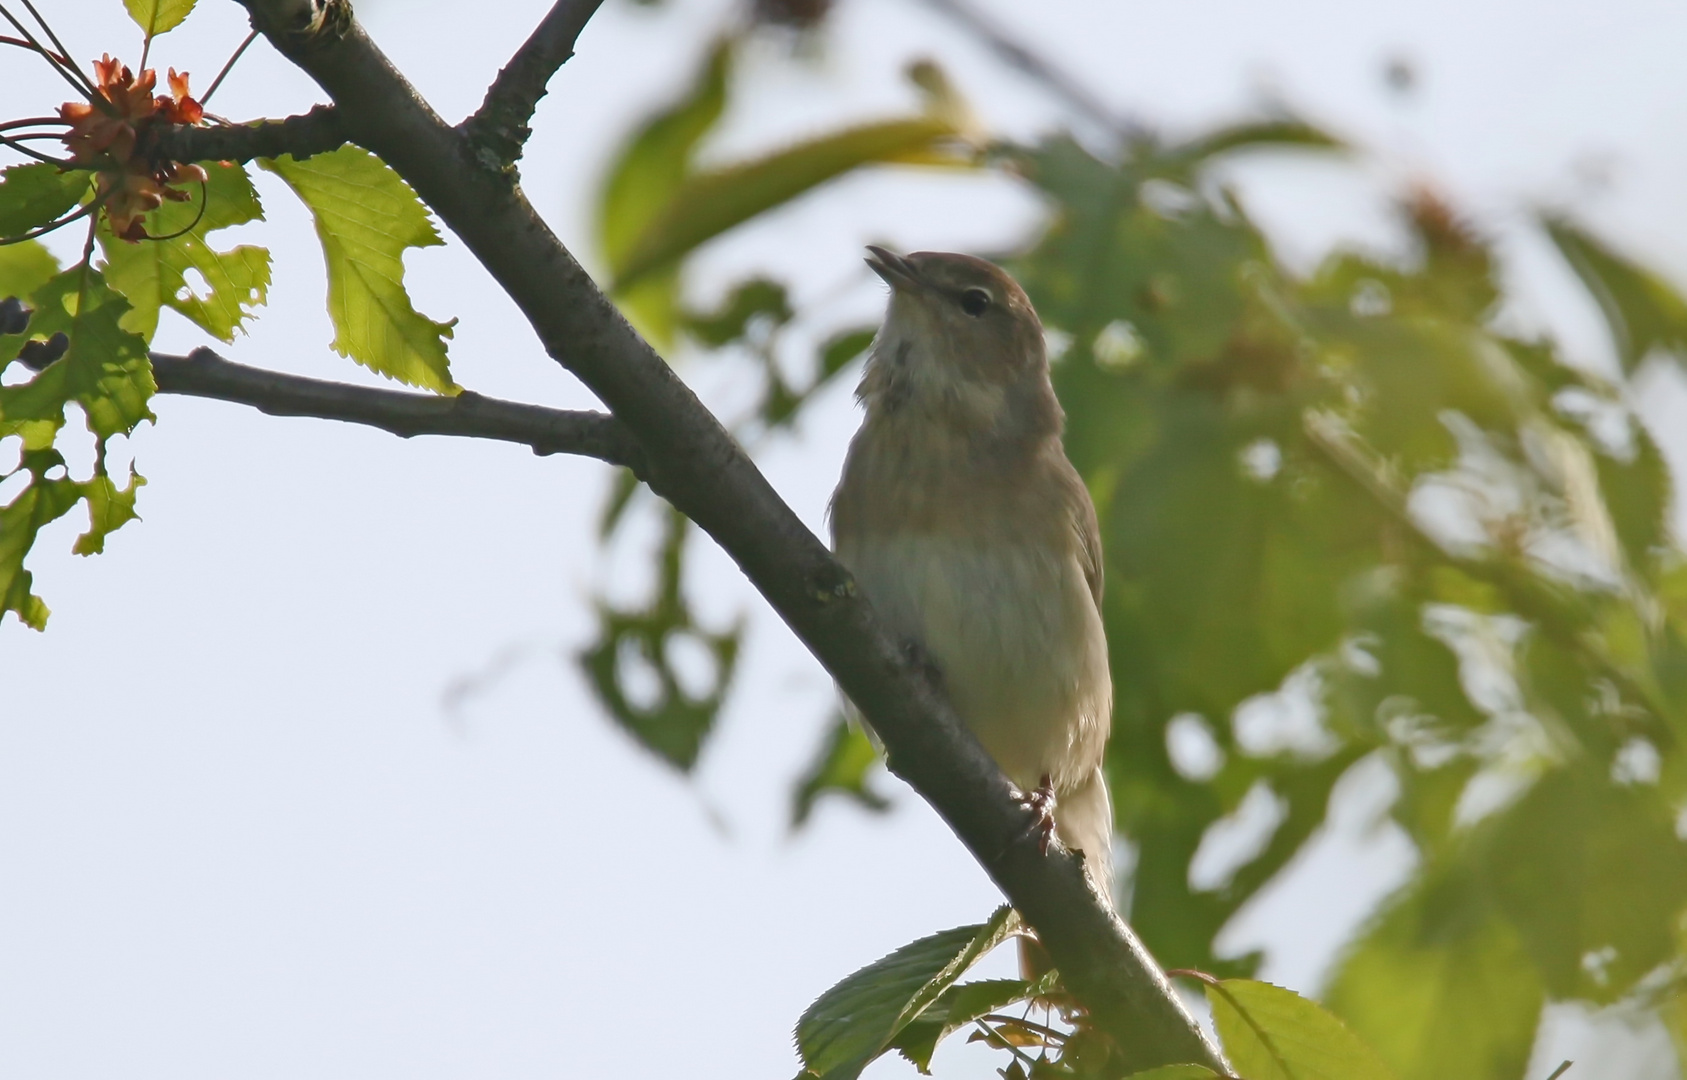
(1441, 986)
(706, 204)
(1174, 1072)
(1270, 1033)
(1641, 309)
(158, 16)
(635, 649)
(759, 299)
(366, 217)
(1255, 135)
(846, 761)
(36, 194)
(1616, 848)
(855, 1021)
(642, 182)
(1637, 495)
(152, 273)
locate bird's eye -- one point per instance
(975, 302)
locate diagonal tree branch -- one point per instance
(314, 132)
(498, 129)
(697, 466)
(202, 373)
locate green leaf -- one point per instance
(109, 508)
(1270, 1033)
(642, 181)
(1637, 496)
(1441, 986)
(842, 347)
(1265, 134)
(366, 216)
(45, 500)
(1174, 1072)
(105, 369)
(37, 194)
(759, 299)
(158, 16)
(24, 268)
(855, 1021)
(958, 1007)
(151, 273)
(1593, 877)
(709, 203)
(1641, 309)
(846, 760)
(674, 722)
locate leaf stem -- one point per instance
(218, 81)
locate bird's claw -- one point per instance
(1041, 804)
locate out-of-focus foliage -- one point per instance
(1348, 518)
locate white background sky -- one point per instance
(242, 835)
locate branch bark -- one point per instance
(315, 132)
(697, 466)
(202, 373)
(498, 129)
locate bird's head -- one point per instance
(960, 345)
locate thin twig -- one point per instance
(51, 226)
(72, 73)
(15, 142)
(202, 373)
(218, 81)
(498, 129)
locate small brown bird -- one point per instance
(975, 539)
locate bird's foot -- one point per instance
(1041, 804)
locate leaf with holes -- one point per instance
(158, 16)
(1270, 1033)
(366, 217)
(46, 499)
(857, 1020)
(105, 369)
(36, 194)
(153, 273)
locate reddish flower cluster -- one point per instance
(105, 135)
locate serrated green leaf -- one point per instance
(855, 1021)
(1270, 1033)
(1642, 311)
(366, 216)
(846, 760)
(709, 203)
(109, 508)
(37, 194)
(156, 17)
(152, 273)
(642, 181)
(1441, 986)
(959, 1006)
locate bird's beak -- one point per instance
(895, 269)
